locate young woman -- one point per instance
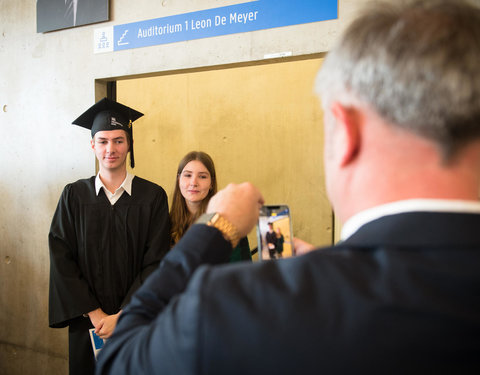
(195, 184)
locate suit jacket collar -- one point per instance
(420, 229)
(409, 205)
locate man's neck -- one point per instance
(112, 179)
(370, 175)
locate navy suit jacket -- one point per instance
(401, 295)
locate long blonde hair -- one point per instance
(179, 214)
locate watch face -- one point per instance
(214, 218)
(205, 218)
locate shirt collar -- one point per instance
(126, 184)
(411, 205)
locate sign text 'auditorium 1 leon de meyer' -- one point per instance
(232, 19)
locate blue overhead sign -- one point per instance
(233, 19)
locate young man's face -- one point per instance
(111, 149)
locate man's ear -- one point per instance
(92, 143)
(348, 129)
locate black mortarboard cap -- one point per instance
(107, 115)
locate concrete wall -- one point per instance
(46, 81)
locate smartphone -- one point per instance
(274, 233)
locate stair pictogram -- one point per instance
(120, 41)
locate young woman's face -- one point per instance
(194, 182)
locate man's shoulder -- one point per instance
(78, 192)
(269, 274)
(143, 185)
(81, 185)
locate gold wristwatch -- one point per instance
(229, 231)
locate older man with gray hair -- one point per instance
(400, 293)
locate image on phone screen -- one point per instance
(274, 233)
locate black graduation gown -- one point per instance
(100, 254)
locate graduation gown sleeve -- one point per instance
(69, 293)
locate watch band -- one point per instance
(229, 231)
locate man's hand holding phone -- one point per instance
(239, 204)
(302, 247)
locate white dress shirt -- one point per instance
(126, 186)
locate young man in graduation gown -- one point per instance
(108, 233)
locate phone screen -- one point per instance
(274, 232)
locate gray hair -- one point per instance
(417, 64)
